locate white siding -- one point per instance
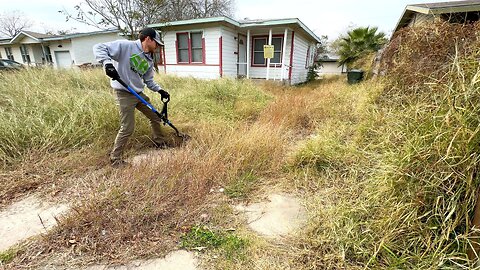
(230, 48)
(299, 72)
(28, 40)
(210, 70)
(17, 54)
(331, 68)
(66, 45)
(82, 51)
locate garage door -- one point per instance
(64, 60)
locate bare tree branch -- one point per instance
(130, 16)
(12, 23)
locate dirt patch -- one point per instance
(177, 260)
(27, 218)
(280, 216)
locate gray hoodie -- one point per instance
(134, 66)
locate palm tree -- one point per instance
(358, 42)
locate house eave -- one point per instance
(241, 25)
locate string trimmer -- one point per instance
(163, 115)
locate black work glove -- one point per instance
(111, 71)
(164, 94)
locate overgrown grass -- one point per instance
(396, 187)
(46, 111)
(389, 177)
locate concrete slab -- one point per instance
(24, 219)
(280, 216)
(177, 260)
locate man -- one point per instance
(132, 62)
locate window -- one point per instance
(310, 56)
(197, 48)
(190, 48)
(182, 51)
(258, 57)
(25, 55)
(8, 52)
(47, 54)
(258, 51)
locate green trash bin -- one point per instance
(354, 76)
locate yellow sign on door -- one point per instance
(267, 51)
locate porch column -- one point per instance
(268, 59)
(284, 54)
(248, 54)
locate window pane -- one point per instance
(196, 40)
(276, 58)
(258, 58)
(197, 55)
(183, 41)
(277, 43)
(183, 56)
(258, 44)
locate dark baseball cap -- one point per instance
(153, 34)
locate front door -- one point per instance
(242, 56)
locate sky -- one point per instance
(331, 18)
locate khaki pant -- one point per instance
(127, 103)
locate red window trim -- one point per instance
(161, 61)
(220, 64)
(190, 62)
(253, 46)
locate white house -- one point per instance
(223, 47)
(61, 51)
(330, 65)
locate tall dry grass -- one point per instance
(397, 188)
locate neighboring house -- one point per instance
(330, 65)
(60, 51)
(453, 11)
(223, 47)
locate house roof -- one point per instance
(44, 37)
(34, 35)
(329, 58)
(241, 24)
(435, 9)
(77, 35)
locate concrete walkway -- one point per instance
(280, 216)
(27, 218)
(177, 260)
